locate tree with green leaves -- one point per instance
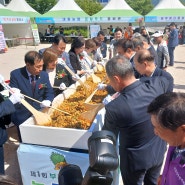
(42, 6)
(90, 7)
(141, 6)
(183, 2)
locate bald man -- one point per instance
(145, 65)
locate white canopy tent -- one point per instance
(65, 12)
(22, 7)
(165, 12)
(13, 22)
(23, 30)
(118, 13)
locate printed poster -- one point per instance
(2, 39)
(94, 29)
(35, 33)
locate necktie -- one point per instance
(32, 83)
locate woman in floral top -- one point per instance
(58, 75)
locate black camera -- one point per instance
(103, 159)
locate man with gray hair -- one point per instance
(141, 151)
(140, 42)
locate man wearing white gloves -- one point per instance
(6, 108)
(75, 77)
(62, 86)
(107, 87)
(32, 82)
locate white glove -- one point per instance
(101, 86)
(62, 86)
(107, 100)
(101, 63)
(45, 103)
(89, 71)
(60, 61)
(15, 90)
(1, 79)
(75, 77)
(16, 97)
(94, 62)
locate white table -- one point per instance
(11, 40)
(25, 39)
(49, 37)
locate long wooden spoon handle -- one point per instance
(49, 106)
(90, 97)
(70, 71)
(29, 107)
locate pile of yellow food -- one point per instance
(74, 105)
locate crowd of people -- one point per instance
(137, 76)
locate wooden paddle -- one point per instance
(95, 78)
(39, 117)
(100, 67)
(92, 94)
(60, 61)
(89, 106)
(48, 106)
(90, 97)
(90, 115)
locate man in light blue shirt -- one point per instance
(59, 45)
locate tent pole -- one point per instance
(88, 27)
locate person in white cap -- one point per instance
(162, 50)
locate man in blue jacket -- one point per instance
(33, 82)
(173, 41)
(59, 45)
(141, 151)
(6, 108)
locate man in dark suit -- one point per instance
(33, 82)
(173, 41)
(6, 108)
(145, 65)
(141, 151)
(124, 47)
(140, 42)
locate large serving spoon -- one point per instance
(90, 115)
(64, 112)
(40, 117)
(60, 61)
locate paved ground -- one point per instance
(14, 58)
